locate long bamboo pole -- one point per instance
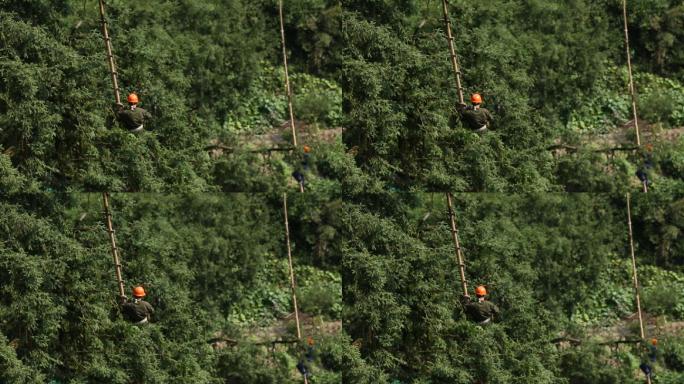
(288, 88)
(112, 240)
(452, 50)
(457, 245)
(635, 279)
(293, 284)
(110, 56)
(632, 91)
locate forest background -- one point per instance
(552, 72)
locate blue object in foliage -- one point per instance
(302, 368)
(298, 176)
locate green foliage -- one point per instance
(611, 297)
(608, 106)
(246, 366)
(552, 263)
(263, 107)
(662, 292)
(547, 70)
(401, 291)
(661, 100)
(211, 264)
(203, 71)
(520, 56)
(658, 26)
(320, 292)
(591, 364)
(317, 100)
(673, 353)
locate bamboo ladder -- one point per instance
(452, 216)
(452, 51)
(112, 242)
(457, 245)
(105, 195)
(110, 56)
(288, 88)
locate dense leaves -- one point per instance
(550, 262)
(544, 68)
(197, 66)
(212, 265)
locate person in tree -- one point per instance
(310, 351)
(475, 117)
(299, 173)
(653, 350)
(137, 311)
(480, 311)
(646, 155)
(132, 117)
(649, 358)
(302, 368)
(302, 365)
(306, 157)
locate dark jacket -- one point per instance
(480, 311)
(133, 118)
(476, 118)
(137, 310)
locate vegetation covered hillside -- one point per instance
(208, 73)
(197, 196)
(550, 72)
(214, 268)
(558, 266)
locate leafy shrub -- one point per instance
(589, 364)
(673, 353)
(317, 100)
(321, 293)
(661, 100)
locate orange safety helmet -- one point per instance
(133, 98)
(654, 342)
(481, 291)
(476, 98)
(307, 149)
(138, 291)
(310, 340)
